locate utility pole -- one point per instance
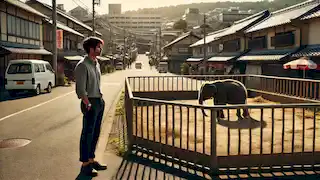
(204, 43)
(93, 19)
(54, 37)
(124, 45)
(160, 44)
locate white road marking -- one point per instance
(112, 84)
(30, 108)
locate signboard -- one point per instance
(220, 47)
(97, 2)
(59, 39)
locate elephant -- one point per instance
(224, 92)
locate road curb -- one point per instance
(106, 127)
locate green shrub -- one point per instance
(184, 69)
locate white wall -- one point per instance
(314, 30)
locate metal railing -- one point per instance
(303, 88)
(275, 135)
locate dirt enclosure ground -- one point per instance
(188, 129)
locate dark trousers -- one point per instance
(92, 120)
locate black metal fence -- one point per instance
(275, 135)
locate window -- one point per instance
(19, 69)
(30, 29)
(18, 30)
(257, 43)
(283, 39)
(36, 68)
(49, 67)
(183, 50)
(41, 68)
(23, 30)
(26, 27)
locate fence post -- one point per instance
(129, 117)
(214, 159)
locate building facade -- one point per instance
(193, 17)
(178, 51)
(115, 9)
(21, 34)
(273, 41)
(136, 22)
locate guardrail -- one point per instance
(304, 88)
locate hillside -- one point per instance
(175, 12)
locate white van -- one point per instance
(163, 67)
(138, 65)
(31, 75)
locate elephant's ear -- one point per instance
(213, 89)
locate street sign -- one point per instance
(59, 39)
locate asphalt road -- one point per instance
(53, 123)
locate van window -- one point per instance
(41, 67)
(36, 68)
(19, 68)
(49, 68)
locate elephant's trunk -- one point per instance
(201, 103)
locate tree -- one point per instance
(181, 24)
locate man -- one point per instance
(87, 74)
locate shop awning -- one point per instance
(26, 51)
(73, 58)
(220, 58)
(267, 55)
(226, 56)
(261, 58)
(194, 59)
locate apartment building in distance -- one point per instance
(134, 22)
(115, 9)
(193, 17)
(233, 14)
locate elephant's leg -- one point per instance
(239, 114)
(246, 113)
(221, 114)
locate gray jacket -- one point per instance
(87, 75)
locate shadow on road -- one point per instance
(7, 97)
(145, 167)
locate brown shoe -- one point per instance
(99, 167)
(89, 171)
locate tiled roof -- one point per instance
(73, 19)
(25, 7)
(209, 38)
(285, 16)
(66, 28)
(245, 23)
(183, 36)
(310, 15)
(310, 50)
(266, 55)
(224, 56)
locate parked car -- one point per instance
(30, 75)
(163, 67)
(138, 65)
(119, 66)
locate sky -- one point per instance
(127, 4)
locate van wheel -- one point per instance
(37, 91)
(49, 88)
